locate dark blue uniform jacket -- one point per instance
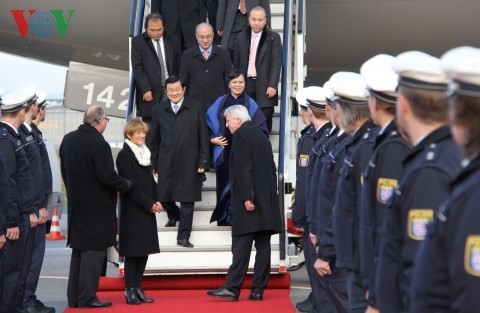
(446, 277)
(345, 219)
(379, 180)
(424, 185)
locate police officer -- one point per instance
(385, 166)
(447, 269)
(319, 117)
(39, 201)
(4, 195)
(35, 250)
(428, 168)
(20, 211)
(326, 173)
(299, 216)
(352, 99)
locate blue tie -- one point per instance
(175, 108)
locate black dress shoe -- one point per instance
(97, 304)
(223, 293)
(171, 223)
(131, 296)
(142, 297)
(255, 296)
(185, 243)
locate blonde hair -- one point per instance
(134, 125)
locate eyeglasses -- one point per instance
(107, 119)
(205, 37)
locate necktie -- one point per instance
(175, 108)
(205, 54)
(243, 7)
(252, 71)
(162, 63)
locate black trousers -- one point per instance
(241, 249)
(321, 302)
(83, 278)
(134, 269)
(251, 90)
(356, 293)
(25, 267)
(13, 253)
(172, 209)
(186, 220)
(38, 255)
(337, 289)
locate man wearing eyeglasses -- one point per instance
(155, 56)
(204, 68)
(92, 184)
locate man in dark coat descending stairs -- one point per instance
(256, 215)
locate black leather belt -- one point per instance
(252, 77)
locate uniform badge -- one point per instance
(303, 160)
(385, 188)
(472, 255)
(418, 219)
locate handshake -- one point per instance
(156, 208)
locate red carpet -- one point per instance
(187, 294)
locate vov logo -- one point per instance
(42, 24)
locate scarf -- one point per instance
(141, 153)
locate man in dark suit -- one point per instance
(90, 179)
(150, 66)
(259, 54)
(256, 215)
(180, 148)
(181, 18)
(204, 68)
(232, 19)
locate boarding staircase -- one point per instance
(212, 244)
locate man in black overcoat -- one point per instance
(261, 69)
(90, 179)
(147, 66)
(180, 148)
(204, 68)
(256, 214)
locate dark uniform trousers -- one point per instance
(85, 269)
(38, 254)
(26, 262)
(186, 220)
(14, 251)
(241, 250)
(321, 302)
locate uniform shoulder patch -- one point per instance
(385, 188)
(303, 160)
(472, 255)
(418, 219)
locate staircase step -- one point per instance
(202, 236)
(204, 261)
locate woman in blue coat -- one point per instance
(221, 139)
(138, 224)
